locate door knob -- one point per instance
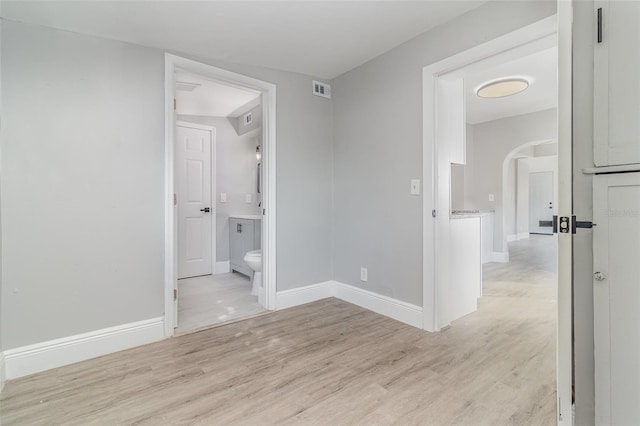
(206, 210)
(599, 276)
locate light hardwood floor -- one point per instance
(214, 299)
(327, 363)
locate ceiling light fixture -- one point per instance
(503, 87)
(186, 86)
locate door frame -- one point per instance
(214, 201)
(436, 208)
(268, 94)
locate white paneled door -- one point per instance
(616, 298)
(540, 202)
(195, 212)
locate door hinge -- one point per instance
(566, 224)
(175, 104)
(599, 25)
(175, 294)
(433, 213)
(175, 200)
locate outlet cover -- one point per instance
(364, 274)
(247, 198)
(492, 197)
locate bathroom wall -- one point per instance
(83, 154)
(236, 174)
(256, 120)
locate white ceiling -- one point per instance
(539, 68)
(212, 98)
(321, 38)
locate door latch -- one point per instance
(566, 224)
(206, 210)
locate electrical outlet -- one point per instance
(223, 197)
(492, 197)
(364, 274)
(415, 186)
(247, 198)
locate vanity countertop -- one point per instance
(246, 216)
(463, 214)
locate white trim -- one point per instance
(511, 238)
(383, 305)
(2, 371)
(307, 294)
(402, 311)
(522, 236)
(223, 267)
(500, 256)
(43, 356)
(268, 92)
(528, 39)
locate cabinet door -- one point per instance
(616, 298)
(616, 83)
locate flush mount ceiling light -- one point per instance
(503, 87)
(185, 86)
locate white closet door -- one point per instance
(616, 292)
(617, 83)
(193, 180)
(540, 202)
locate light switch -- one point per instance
(247, 198)
(415, 186)
(223, 197)
(492, 197)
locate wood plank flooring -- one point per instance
(326, 363)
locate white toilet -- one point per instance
(253, 259)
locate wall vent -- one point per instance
(321, 89)
(248, 119)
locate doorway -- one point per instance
(541, 203)
(210, 114)
(443, 107)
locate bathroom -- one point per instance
(219, 202)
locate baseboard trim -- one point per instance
(383, 305)
(2, 371)
(523, 236)
(307, 294)
(511, 238)
(43, 356)
(501, 256)
(223, 267)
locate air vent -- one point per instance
(321, 89)
(248, 119)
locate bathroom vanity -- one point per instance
(245, 232)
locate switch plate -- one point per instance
(247, 198)
(415, 186)
(492, 197)
(223, 197)
(364, 274)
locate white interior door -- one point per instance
(616, 298)
(195, 212)
(540, 201)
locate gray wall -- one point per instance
(492, 142)
(583, 208)
(83, 182)
(378, 149)
(236, 175)
(256, 121)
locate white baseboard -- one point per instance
(307, 294)
(2, 371)
(383, 305)
(511, 238)
(223, 267)
(387, 306)
(68, 350)
(522, 236)
(501, 256)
